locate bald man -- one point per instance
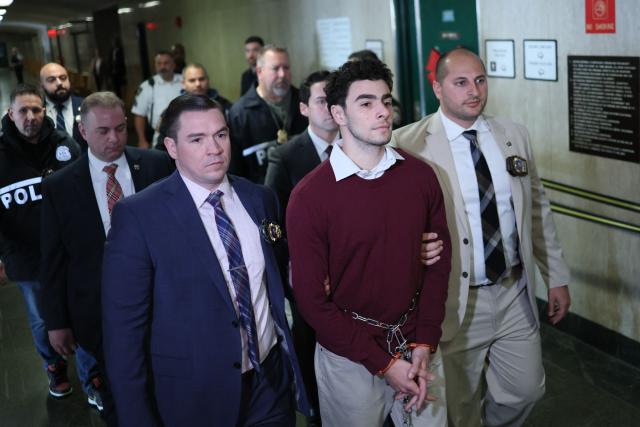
(501, 227)
(61, 106)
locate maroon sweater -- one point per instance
(365, 235)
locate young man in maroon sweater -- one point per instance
(356, 219)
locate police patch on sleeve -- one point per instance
(63, 154)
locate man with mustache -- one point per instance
(153, 96)
(252, 46)
(501, 226)
(62, 106)
(355, 220)
(267, 114)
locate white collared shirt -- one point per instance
(320, 144)
(249, 237)
(67, 112)
(466, 172)
(99, 181)
(151, 101)
(343, 167)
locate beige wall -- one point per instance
(604, 262)
(214, 32)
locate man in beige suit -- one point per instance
(501, 225)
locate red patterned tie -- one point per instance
(114, 191)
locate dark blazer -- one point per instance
(288, 164)
(253, 130)
(72, 241)
(76, 102)
(171, 333)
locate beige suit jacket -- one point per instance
(538, 241)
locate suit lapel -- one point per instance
(257, 212)
(438, 151)
(88, 204)
(507, 148)
(307, 152)
(137, 174)
(180, 203)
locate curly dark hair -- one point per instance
(339, 81)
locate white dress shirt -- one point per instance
(343, 167)
(67, 112)
(151, 101)
(466, 172)
(320, 144)
(99, 181)
(249, 237)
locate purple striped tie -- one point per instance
(239, 276)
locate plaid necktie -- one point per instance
(114, 191)
(239, 276)
(494, 261)
(60, 125)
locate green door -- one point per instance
(423, 25)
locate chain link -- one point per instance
(395, 336)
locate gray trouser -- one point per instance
(351, 396)
(500, 339)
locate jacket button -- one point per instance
(465, 274)
(237, 365)
(508, 143)
(235, 324)
(465, 241)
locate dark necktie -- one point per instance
(494, 261)
(328, 150)
(239, 276)
(60, 125)
(114, 191)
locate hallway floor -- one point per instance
(585, 387)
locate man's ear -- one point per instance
(304, 109)
(170, 145)
(337, 112)
(82, 129)
(10, 114)
(437, 89)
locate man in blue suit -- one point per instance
(193, 305)
(61, 105)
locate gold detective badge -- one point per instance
(282, 136)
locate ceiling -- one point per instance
(51, 12)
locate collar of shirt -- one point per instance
(98, 165)
(319, 143)
(199, 194)
(454, 130)
(343, 167)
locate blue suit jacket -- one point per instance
(171, 337)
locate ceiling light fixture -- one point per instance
(148, 4)
(123, 10)
(5, 3)
(3, 11)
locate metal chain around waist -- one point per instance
(394, 335)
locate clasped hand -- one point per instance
(411, 379)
